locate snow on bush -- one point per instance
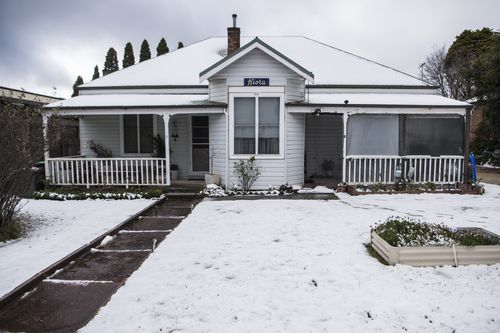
(47, 195)
(400, 232)
(212, 190)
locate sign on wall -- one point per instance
(255, 82)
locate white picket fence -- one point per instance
(371, 169)
(108, 171)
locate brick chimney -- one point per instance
(233, 37)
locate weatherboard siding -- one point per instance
(218, 137)
(295, 89)
(217, 90)
(295, 138)
(256, 64)
(104, 130)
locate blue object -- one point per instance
(472, 160)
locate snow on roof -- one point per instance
(329, 65)
(364, 99)
(135, 101)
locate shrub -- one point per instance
(99, 150)
(247, 172)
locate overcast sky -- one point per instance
(46, 44)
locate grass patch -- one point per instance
(13, 230)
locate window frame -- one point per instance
(122, 136)
(257, 93)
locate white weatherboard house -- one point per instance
(307, 111)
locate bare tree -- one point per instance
(21, 146)
(433, 70)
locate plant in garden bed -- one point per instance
(213, 190)
(62, 194)
(247, 172)
(99, 150)
(402, 231)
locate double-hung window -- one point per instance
(138, 132)
(257, 125)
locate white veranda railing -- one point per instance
(371, 169)
(107, 171)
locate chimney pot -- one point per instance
(233, 37)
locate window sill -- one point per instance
(257, 157)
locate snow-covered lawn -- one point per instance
(300, 266)
(57, 229)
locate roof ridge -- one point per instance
(365, 59)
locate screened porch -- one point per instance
(420, 148)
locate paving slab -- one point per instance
(154, 223)
(170, 211)
(103, 266)
(135, 241)
(56, 307)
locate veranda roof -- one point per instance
(135, 101)
(382, 100)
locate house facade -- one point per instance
(308, 112)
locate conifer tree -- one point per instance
(162, 47)
(180, 45)
(145, 51)
(79, 81)
(96, 73)
(111, 63)
(128, 56)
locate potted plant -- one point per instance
(211, 178)
(174, 171)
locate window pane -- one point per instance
(373, 135)
(199, 129)
(432, 135)
(146, 133)
(244, 125)
(130, 134)
(269, 129)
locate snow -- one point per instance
(316, 190)
(300, 266)
(384, 99)
(330, 65)
(132, 100)
(59, 228)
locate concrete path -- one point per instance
(69, 298)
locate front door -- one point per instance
(199, 145)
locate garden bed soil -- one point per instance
(438, 255)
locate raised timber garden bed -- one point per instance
(438, 255)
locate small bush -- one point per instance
(99, 150)
(380, 187)
(247, 171)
